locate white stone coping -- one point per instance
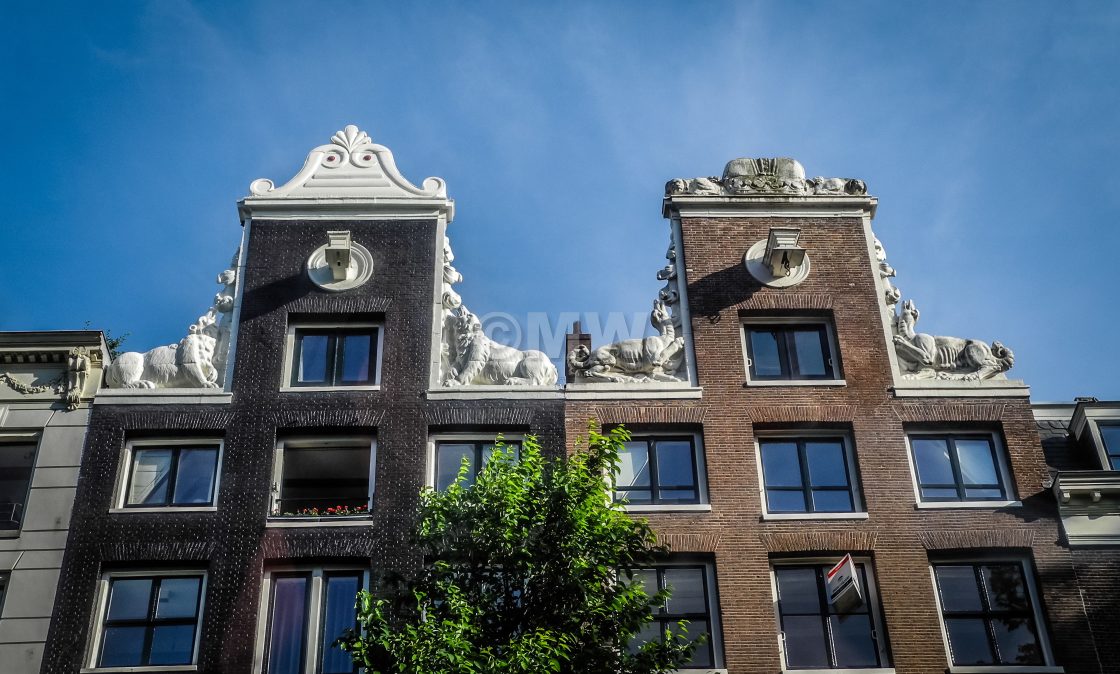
(753, 383)
(346, 208)
(846, 670)
(653, 509)
(779, 517)
(765, 205)
(165, 510)
(1002, 669)
(987, 388)
(147, 668)
(281, 522)
(649, 390)
(490, 392)
(162, 396)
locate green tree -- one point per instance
(528, 570)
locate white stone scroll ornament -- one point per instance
(350, 165)
(925, 356)
(197, 361)
(660, 358)
(469, 358)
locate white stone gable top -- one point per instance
(349, 177)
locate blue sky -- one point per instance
(987, 130)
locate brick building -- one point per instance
(787, 413)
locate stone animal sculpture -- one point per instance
(188, 364)
(926, 356)
(475, 359)
(657, 358)
(891, 294)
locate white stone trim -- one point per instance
(645, 391)
(162, 396)
(768, 206)
(496, 392)
(794, 433)
(935, 388)
(676, 233)
(124, 468)
(796, 382)
(235, 313)
(101, 605)
(650, 509)
(965, 505)
(1027, 566)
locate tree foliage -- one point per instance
(527, 571)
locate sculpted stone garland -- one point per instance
(70, 384)
(780, 175)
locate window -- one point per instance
(988, 613)
(149, 620)
(692, 600)
(171, 474)
(790, 350)
(808, 474)
(1110, 434)
(3, 591)
(304, 612)
(660, 470)
(323, 477)
(958, 467)
(17, 461)
(450, 453)
(814, 635)
(333, 356)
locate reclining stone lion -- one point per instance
(475, 359)
(188, 364)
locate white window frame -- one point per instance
(872, 599)
(1002, 460)
(315, 609)
(475, 436)
(715, 619)
(304, 324)
(101, 606)
(23, 438)
(1027, 565)
(124, 470)
(833, 345)
(860, 513)
(705, 504)
(317, 442)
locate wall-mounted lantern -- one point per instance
(338, 253)
(777, 260)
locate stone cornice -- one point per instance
(746, 206)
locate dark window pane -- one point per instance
(1004, 586)
(449, 459)
(651, 632)
(172, 645)
(688, 591)
(634, 464)
(781, 466)
(128, 598)
(931, 458)
(852, 642)
(968, 641)
(674, 463)
(939, 493)
(805, 642)
(355, 358)
(151, 471)
(16, 463)
(977, 463)
(827, 467)
(178, 597)
(313, 359)
(798, 590)
(677, 495)
(811, 360)
(194, 483)
(323, 477)
(122, 647)
(764, 353)
(785, 501)
(287, 625)
(832, 501)
(958, 588)
(702, 656)
(338, 616)
(1114, 461)
(983, 494)
(647, 578)
(1110, 433)
(1017, 642)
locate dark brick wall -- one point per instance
(233, 544)
(897, 536)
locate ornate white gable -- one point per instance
(349, 177)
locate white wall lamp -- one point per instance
(338, 254)
(777, 260)
(341, 264)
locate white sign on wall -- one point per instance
(844, 592)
